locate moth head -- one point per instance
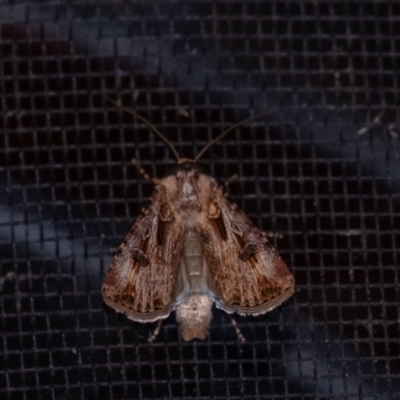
(187, 169)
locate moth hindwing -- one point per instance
(190, 248)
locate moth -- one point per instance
(190, 248)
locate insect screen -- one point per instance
(320, 172)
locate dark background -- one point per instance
(322, 170)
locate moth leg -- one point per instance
(230, 180)
(237, 330)
(142, 172)
(155, 332)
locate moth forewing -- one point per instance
(249, 275)
(141, 281)
(189, 248)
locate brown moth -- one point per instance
(191, 248)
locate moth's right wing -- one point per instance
(142, 277)
(249, 276)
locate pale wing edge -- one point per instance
(138, 316)
(261, 308)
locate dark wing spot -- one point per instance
(247, 251)
(221, 227)
(160, 231)
(138, 255)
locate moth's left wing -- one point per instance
(249, 275)
(142, 278)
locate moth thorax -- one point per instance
(194, 316)
(188, 196)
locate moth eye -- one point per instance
(213, 210)
(140, 256)
(247, 251)
(236, 229)
(165, 212)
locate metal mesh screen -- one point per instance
(322, 170)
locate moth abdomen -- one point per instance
(194, 316)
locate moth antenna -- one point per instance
(148, 123)
(231, 128)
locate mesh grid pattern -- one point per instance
(322, 170)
